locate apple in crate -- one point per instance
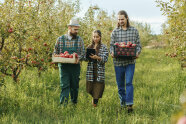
(64, 58)
(118, 53)
(66, 52)
(117, 44)
(76, 55)
(132, 53)
(133, 45)
(122, 44)
(71, 56)
(62, 55)
(129, 44)
(123, 53)
(67, 55)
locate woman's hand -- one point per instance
(92, 56)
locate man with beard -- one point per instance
(124, 67)
(69, 73)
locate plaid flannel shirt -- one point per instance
(120, 35)
(103, 53)
(69, 42)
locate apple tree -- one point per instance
(29, 30)
(96, 19)
(175, 28)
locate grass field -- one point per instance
(158, 83)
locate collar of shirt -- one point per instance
(68, 36)
(120, 28)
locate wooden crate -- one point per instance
(64, 60)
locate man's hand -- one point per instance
(112, 54)
(77, 61)
(137, 56)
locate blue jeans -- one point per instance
(124, 77)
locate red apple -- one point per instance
(22, 59)
(118, 53)
(35, 39)
(71, 56)
(117, 44)
(129, 42)
(51, 63)
(65, 52)
(29, 49)
(28, 55)
(132, 53)
(133, 45)
(33, 62)
(45, 44)
(167, 54)
(123, 53)
(62, 55)
(123, 43)
(67, 55)
(10, 30)
(76, 55)
(117, 49)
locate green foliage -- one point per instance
(174, 29)
(28, 33)
(96, 19)
(145, 33)
(158, 84)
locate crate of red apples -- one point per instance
(65, 58)
(124, 49)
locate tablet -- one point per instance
(89, 52)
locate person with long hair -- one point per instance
(124, 67)
(95, 75)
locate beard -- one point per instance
(74, 35)
(122, 24)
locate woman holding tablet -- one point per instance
(95, 75)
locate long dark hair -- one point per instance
(123, 12)
(93, 44)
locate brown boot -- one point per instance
(95, 105)
(94, 102)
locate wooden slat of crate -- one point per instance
(64, 60)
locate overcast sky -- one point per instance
(138, 10)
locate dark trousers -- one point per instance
(69, 82)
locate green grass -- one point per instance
(158, 83)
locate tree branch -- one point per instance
(2, 44)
